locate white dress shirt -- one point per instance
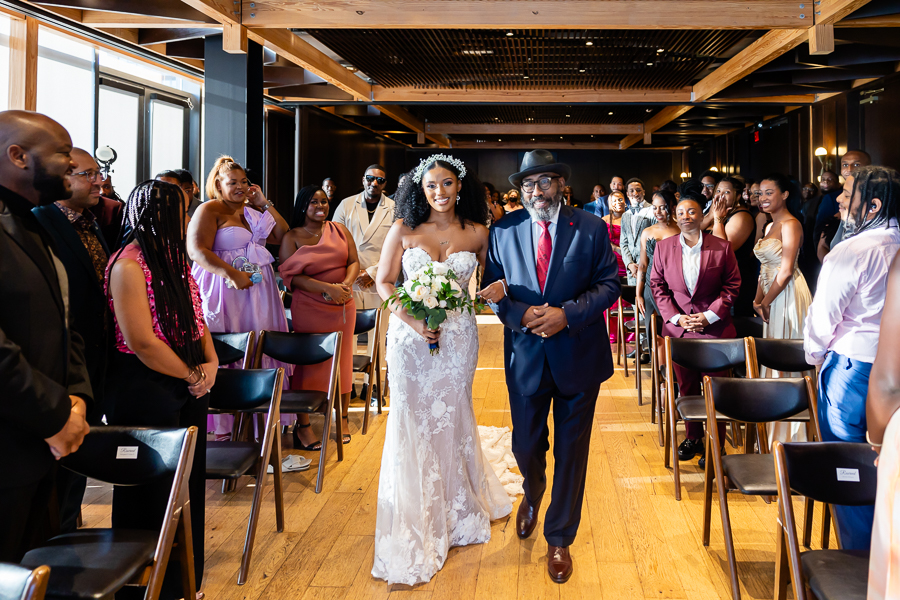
(690, 266)
(845, 316)
(536, 232)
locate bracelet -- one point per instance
(871, 443)
(721, 220)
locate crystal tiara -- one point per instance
(420, 170)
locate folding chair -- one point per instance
(812, 469)
(629, 294)
(233, 347)
(749, 401)
(95, 563)
(369, 320)
(657, 376)
(249, 391)
(19, 583)
(309, 349)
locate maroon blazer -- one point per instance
(717, 286)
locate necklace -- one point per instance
(444, 243)
(311, 233)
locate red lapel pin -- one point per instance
(571, 223)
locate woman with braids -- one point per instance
(733, 222)
(227, 236)
(436, 487)
(319, 263)
(164, 364)
(842, 327)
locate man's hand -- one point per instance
(550, 321)
(72, 434)
(529, 315)
(364, 281)
(493, 293)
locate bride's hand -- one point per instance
(431, 336)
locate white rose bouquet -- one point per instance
(429, 294)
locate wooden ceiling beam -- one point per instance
(110, 20)
(406, 95)
(333, 111)
(885, 21)
(657, 121)
(148, 37)
(529, 145)
(407, 119)
(172, 9)
(538, 14)
(538, 129)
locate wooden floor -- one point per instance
(635, 540)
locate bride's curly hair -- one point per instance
(411, 205)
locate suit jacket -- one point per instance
(109, 218)
(368, 236)
(718, 285)
(582, 280)
(630, 243)
(41, 363)
(88, 308)
(598, 208)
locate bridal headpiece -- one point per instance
(420, 170)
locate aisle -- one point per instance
(635, 540)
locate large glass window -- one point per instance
(166, 136)
(119, 121)
(65, 85)
(4, 61)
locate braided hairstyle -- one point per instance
(411, 205)
(873, 182)
(155, 211)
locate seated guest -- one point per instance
(44, 385)
(664, 212)
(513, 202)
(731, 221)
(597, 205)
(570, 198)
(638, 214)
(842, 326)
(319, 264)
(164, 363)
(84, 254)
(695, 281)
(228, 235)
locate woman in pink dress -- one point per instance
(613, 220)
(226, 233)
(319, 264)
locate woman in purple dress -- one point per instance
(226, 233)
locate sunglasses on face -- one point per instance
(371, 178)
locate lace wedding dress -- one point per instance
(437, 489)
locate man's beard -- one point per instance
(50, 188)
(543, 214)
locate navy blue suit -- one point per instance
(565, 369)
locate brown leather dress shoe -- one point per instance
(559, 563)
(526, 518)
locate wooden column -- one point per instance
(23, 59)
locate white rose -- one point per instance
(420, 293)
(455, 289)
(435, 287)
(439, 268)
(431, 302)
(440, 279)
(408, 286)
(442, 304)
(425, 280)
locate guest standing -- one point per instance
(664, 204)
(637, 216)
(513, 202)
(319, 263)
(43, 381)
(227, 232)
(598, 206)
(842, 326)
(164, 363)
(733, 223)
(614, 222)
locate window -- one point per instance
(118, 128)
(65, 85)
(166, 136)
(4, 61)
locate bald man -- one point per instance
(44, 386)
(828, 208)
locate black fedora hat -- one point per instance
(539, 161)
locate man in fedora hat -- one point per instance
(550, 275)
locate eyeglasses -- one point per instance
(90, 174)
(544, 183)
(371, 178)
(708, 186)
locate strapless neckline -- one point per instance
(431, 258)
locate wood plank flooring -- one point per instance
(635, 540)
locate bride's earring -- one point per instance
(457, 198)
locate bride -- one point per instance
(436, 489)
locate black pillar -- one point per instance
(234, 107)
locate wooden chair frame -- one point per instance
(228, 485)
(373, 372)
(657, 411)
(24, 583)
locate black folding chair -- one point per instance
(369, 321)
(657, 376)
(249, 391)
(309, 349)
(749, 401)
(19, 583)
(629, 294)
(95, 563)
(813, 469)
(233, 347)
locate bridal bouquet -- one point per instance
(429, 294)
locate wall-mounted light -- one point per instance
(824, 161)
(714, 169)
(684, 175)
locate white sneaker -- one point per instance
(292, 462)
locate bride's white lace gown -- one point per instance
(436, 489)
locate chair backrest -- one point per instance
(708, 355)
(629, 293)
(366, 319)
(130, 455)
(781, 355)
(19, 583)
(297, 348)
(232, 347)
(244, 389)
(758, 400)
(286, 298)
(747, 327)
(832, 472)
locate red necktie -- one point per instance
(545, 249)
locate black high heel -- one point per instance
(298, 445)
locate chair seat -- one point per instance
(693, 408)
(801, 417)
(303, 401)
(835, 574)
(361, 363)
(751, 474)
(93, 563)
(230, 460)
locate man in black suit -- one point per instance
(84, 253)
(44, 385)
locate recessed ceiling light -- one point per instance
(532, 139)
(499, 140)
(649, 110)
(589, 43)
(568, 116)
(525, 77)
(660, 50)
(581, 70)
(610, 112)
(560, 137)
(650, 64)
(509, 34)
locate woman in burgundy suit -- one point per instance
(695, 280)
